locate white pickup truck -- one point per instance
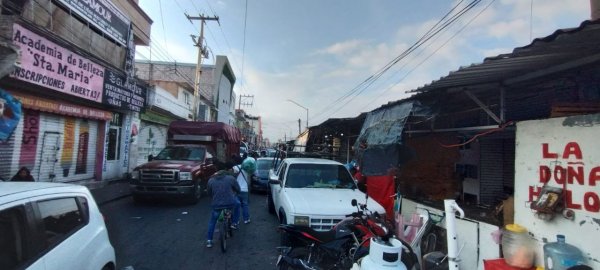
(314, 192)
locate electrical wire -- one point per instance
(244, 43)
(432, 32)
(162, 21)
(500, 128)
(430, 55)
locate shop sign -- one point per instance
(44, 63)
(47, 105)
(122, 93)
(102, 14)
(559, 154)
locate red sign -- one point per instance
(48, 105)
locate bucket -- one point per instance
(517, 246)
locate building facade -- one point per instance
(74, 100)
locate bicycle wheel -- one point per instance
(229, 229)
(223, 235)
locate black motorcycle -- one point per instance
(337, 248)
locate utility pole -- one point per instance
(299, 126)
(202, 51)
(246, 102)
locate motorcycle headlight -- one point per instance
(183, 176)
(302, 220)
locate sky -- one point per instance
(316, 54)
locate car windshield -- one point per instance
(318, 176)
(181, 153)
(263, 164)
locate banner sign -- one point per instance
(122, 93)
(102, 14)
(47, 105)
(10, 114)
(46, 64)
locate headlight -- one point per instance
(135, 175)
(302, 220)
(185, 176)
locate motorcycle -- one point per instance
(338, 248)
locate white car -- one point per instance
(314, 192)
(52, 226)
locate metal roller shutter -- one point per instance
(8, 154)
(152, 138)
(66, 149)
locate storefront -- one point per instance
(78, 116)
(56, 141)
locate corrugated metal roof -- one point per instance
(564, 49)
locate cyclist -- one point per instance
(223, 187)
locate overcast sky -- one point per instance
(318, 52)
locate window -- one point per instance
(187, 98)
(61, 217)
(12, 238)
(318, 176)
(282, 171)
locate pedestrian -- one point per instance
(23, 175)
(244, 174)
(222, 187)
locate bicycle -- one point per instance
(224, 225)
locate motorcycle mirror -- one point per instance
(354, 202)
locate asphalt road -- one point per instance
(165, 234)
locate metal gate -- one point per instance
(49, 156)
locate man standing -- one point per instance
(223, 187)
(246, 170)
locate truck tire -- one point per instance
(196, 194)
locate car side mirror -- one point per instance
(208, 161)
(150, 157)
(354, 202)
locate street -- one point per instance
(165, 234)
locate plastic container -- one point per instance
(560, 256)
(517, 246)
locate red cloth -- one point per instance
(500, 264)
(381, 189)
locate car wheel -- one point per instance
(196, 194)
(270, 204)
(285, 238)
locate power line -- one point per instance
(435, 51)
(433, 31)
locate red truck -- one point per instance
(183, 168)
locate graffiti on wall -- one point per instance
(82, 149)
(565, 169)
(66, 160)
(31, 131)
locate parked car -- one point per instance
(52, 226)
(260, 181)
(314, 192)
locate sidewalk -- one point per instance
(107, 191)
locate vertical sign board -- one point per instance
(102, 14)
(560, 152)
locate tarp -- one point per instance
(380, 141)
(227, 133)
